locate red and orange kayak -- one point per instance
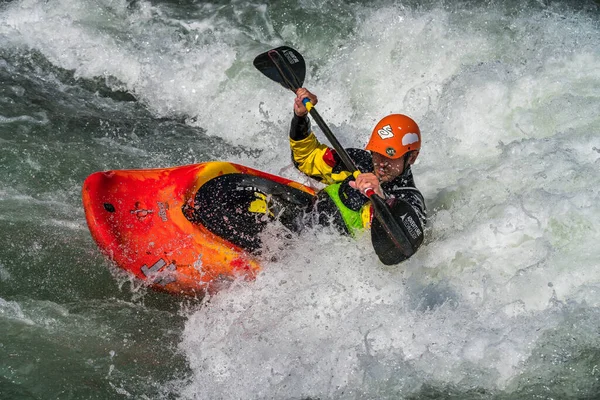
(136, 217)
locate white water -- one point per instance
(508, 106)
(510, 172)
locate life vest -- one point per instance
(355, 220)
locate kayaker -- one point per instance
(385, 166)
(238, 208)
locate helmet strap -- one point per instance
(405, 171)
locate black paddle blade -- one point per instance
(283, 65)
(400, 237)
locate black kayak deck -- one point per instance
(238, 207)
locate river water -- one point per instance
(501, 302)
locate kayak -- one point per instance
(188, 229)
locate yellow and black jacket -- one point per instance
(339, 204)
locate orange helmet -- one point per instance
(394, 136)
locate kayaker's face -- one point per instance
(387, 169)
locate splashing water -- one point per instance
(500, 302)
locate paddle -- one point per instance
(286, 66)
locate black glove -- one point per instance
(352, 198)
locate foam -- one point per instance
(507, 177)
(507, 104)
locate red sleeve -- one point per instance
(329, 158)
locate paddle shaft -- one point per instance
(380, 209)
(348, 162)
(291, 81)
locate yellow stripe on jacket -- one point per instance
(309, 154)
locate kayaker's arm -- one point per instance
(314, 159)
(300, 127)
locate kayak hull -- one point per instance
(136, 219)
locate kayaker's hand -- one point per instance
(301, 94)
(367, 181)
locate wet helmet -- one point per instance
(394, 136)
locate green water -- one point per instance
(500, 303)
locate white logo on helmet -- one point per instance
(409, 138)
(386, 132)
